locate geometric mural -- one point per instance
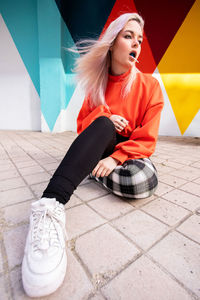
(166, 47)
(180, 69)
(170, 50)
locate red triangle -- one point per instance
(146, 60)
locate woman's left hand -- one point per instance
(105, 167)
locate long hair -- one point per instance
(92, 67)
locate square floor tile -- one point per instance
(172, 180)
(184, 199)
(12, 183)
(141, 228)
(80, 219)
(191, 228)
(15, 242)
(105, 251)
(15, 196)
(110, 206)
(90, 191)
(192, 188)
(180, 256)
(166, 211)
(143, 280)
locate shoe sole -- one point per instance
(39, 290)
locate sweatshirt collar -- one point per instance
(117, 78)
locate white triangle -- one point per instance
(19, 100)
(194, 127)
(67, 117)
(44, 125)
(168, 123)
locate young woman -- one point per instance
(117, 126)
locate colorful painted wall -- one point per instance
(37, 86)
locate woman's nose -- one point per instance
(135, 43)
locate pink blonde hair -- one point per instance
(92, 67)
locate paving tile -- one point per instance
(52, 166)
(31, 170)
(192, 188)
(7, 167)
(196, 164)
(15, 242)
(165, 211)
(76, 284)
(19, 159)
(3, 294)
(25, 164)
(184, 199)
(15, 196)
(140, 202)
(1, 264)
(162, 169)
(97, 296)
(187, 173)
(17, 213)
(45, 160)
(73, 202)
(181, 160)
(173, 164)
(110, 206)
(191, 228)
(141, 228)
(81, 219)
(9, 174)
(143, 280)
(37, 178)
(197, 180)
(163, 189)
(86, 180)
(90, 191)
(39, 188)
(172, 180)
(5, 161)
(180, 256)
(105, 251)
(11, 184)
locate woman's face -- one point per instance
(128, 41)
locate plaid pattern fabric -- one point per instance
(135, 179)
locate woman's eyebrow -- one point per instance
(132, 32)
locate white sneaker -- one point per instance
(45, 261)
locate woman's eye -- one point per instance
(140, 42)
(127, 36)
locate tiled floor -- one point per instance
(145, 249)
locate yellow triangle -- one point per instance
(180, 69)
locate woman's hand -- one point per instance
(105, 167)
(119, 122)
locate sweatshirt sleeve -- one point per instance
(87, 115)
(143, 139)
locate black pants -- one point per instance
(97, 141)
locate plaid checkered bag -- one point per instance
(135, 179)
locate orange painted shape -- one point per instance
(182, 55)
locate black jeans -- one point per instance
(97, 141)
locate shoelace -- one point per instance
(45, 228)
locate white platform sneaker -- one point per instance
(45, 261)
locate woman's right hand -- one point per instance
(119, 122)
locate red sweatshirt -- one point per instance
(141, 107)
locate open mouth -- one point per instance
(133, 54)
